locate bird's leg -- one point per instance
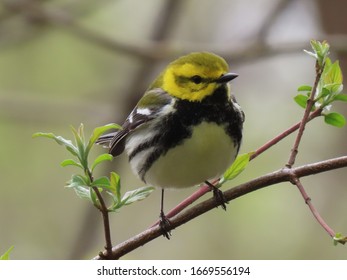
(164, 222)
(218, 195)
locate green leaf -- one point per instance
(97, 132)
(78, 181)
(332, 73)
(335, 119)
(79, 139)
(331, 80)
(83, 192)
(114, 192)
(6, 255)
(325, 92)
(328, 64)
(301, 100)
(339, 238)
(136, 195)
(321, 51)
(69, 162)
(60, 140)
(341, 97)
(334, 88)
(305, 88)
(115, 186)
(322, 98)
(315, 45)
(80, 184)
(236, 168)
(102, 182)
(100, 159)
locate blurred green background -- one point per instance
(66, 62)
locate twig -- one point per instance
(284, 134)
(309, 106)
(282, 175)
(105, 217)
(296, 181)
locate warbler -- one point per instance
(185, 130)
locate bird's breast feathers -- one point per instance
(203, 156)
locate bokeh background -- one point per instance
(67, 62)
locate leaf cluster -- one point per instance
(329, 88)
(84, 183)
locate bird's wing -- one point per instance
(147, 109)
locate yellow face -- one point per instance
(195, 76)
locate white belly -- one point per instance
(204, 156)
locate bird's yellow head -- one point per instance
(195, 76)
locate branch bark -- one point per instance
(279, 176)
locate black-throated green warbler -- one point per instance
(185, 130)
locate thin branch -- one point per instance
(296, 181)
(282, 175)
(284, 134)
(105, 217)
(309, 106)
(107, 232)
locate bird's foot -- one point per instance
(165, 225)
(218, 195)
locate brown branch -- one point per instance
(107, 232)
(284, 134)
(309, 106)
(105, 217)
(282, 175)
(296, 181)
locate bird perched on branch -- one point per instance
(185, 130)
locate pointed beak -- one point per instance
(226, 78)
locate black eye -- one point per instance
(196, 79)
